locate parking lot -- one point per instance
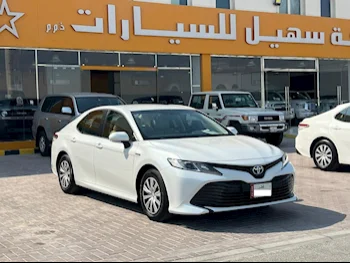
(40, 223)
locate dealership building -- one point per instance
(295, 52)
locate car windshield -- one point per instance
(87, 103)
(274, 96)
(239, 101)
(176, 124)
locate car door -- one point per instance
(83, 144)
(340, 128)
(212, 112)
(113, 162)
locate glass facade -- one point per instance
(28, 76)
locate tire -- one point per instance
(44, 144)
(66, 175)
(155, 210)
(325, 156)
(275, 139)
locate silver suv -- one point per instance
(56, 111)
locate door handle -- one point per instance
(99, 146)
(74, 139)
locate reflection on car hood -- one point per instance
(235, 150)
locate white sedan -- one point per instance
(326, 138)
(170, 160)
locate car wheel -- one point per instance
(275, 139)
(66, 175)
(44, 144)
(153, 196)
(325, 156)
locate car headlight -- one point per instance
(193, 166)
(282, 118)
(4, 113)
(285, 160)
(250, 118)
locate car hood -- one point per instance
(256, 111)
(235, 150)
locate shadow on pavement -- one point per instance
(24, 165)
(281, 218)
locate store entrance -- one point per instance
(103, 81)
(294, 93)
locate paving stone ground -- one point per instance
(40, 223)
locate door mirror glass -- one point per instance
(233, 130)
(67, 111)
(120, 137)
(215, 106)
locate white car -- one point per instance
(171, 160)
(326, 138)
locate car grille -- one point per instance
(281, 109)
(269, 118)
(237, 193)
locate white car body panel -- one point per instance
(113, 170)
(326, 126)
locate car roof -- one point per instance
(221, 92)
(144, 107)
(83, 95)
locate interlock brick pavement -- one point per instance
(40, 223)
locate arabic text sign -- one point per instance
(145, 27)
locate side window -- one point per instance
(344, 116)
(198, 101)
(47, 105)
(214, 99)
(68, 102)
(56, 105)
(92, 124)
(116, 122)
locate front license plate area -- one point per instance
(261, 190)
(273, 129)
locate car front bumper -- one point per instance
(183, 188)
(264, 128)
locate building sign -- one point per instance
(125, 25)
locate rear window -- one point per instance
(88, 103)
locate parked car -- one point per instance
(329, 102)
(240, 110)
(171, 160)
(326, 138)
(276, 101)
(16, 115)
(164, 99)
(56, 111)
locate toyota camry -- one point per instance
(170, 160)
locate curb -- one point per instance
(290, 136)
(26, 151)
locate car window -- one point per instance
(116, 122)
(68, 102)
(344, 116)
(214, 99)
(175, 124)
(92, 124)
(239, 101)
(198, 101)
(87, 103)
(56, 104)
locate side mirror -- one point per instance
(215, 106)
(67, 110)
(233, 130)
(120, 137)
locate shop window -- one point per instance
(99, 59)
(18, 96)
(57, 57)
(334, 83)
(223, 4)
(237, 74)
(58, 80)
(138, 87)
(179, 2)
(196, 73)
(137, 60)
(174, 86)
(290, 7)
(326, 8)
(289, 64)
(173, 61)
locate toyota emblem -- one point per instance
(258, 170)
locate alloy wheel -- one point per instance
(324, 156)
(65, 174)
(151, 196)
(42, 144)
